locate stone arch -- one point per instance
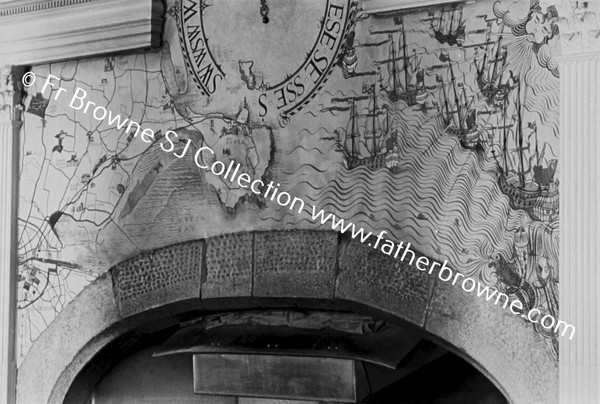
(280, 269)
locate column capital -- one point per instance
(11, 93)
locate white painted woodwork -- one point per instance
(384, 6)
(579, 286)
(10, 125)
(41, 31)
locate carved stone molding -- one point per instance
(10, 124)
(40, 31)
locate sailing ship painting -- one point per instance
(406, 77)
(348, 60)
(531, 188)
(367, 139)
(449, 27)
(457, 134)
(491, 73)
(459, 114)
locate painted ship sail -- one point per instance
(449, 28)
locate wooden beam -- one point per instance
(385, 347)
(281, 377)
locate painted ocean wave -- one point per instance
(445, 199)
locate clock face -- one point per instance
(275, 53)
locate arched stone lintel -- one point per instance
(299, 268)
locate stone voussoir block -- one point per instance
(298, 263)
(155, 278)
(370, 277)
(228, 266)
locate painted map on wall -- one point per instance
(438, 125)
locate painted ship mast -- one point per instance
(520, 137)
(353, 130)
(375, 132)
(393, 54)
(451, 22)
(505, 140)
(493, 79)
(405, 56)
(374, 116)
(456, 100)
(352, 153)
(501, 87)
(392, 156)
(441, 21)
(447, 117)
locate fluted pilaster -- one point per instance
(580, 227)
(10, 124)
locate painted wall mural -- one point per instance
(438, 125)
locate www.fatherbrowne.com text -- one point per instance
(401, 251)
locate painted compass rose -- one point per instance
(281, 52)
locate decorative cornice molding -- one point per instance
(388, 6)
(41, 31)
(15, 7)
